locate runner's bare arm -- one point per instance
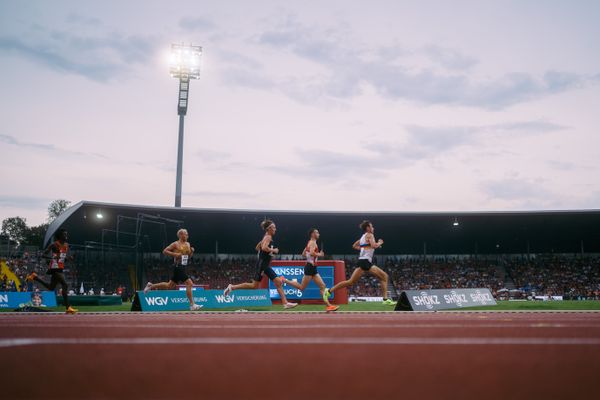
(312, 248)
(371, 240)
(168, 251)
(264, 245)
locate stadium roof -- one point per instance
(237, 231)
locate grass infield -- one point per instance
(364, 306)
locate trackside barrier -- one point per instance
(331, 271)
(21, 299)
(176, 300)
(444, 299)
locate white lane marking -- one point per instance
(305, 326)
(367, 341)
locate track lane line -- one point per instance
(366, 341)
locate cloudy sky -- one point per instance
(312, 105)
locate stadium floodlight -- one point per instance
(184, 65)
(99, 215)
(455, 223)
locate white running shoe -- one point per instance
(148, 287)
(289, 305)
(228, 290)
(195, 307)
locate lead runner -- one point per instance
(367, 245)
(182, 252)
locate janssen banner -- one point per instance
(294, 272)
(176, 300)
(444, 299)
(20, 299)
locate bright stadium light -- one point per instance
(455, 223)
(99, 215)
(184, 64)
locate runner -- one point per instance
(266, 250)
(182, 252)
(312, 253)
(59, 250)
(366, 245)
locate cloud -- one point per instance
(11, 140)
(83, 20)
(388, 71)
(100, 58)
(420, 143)
(249, 78)
(561, 165)
(219, 194)
(449, 58)
(524, 192)
(24, 202)
(196, 24)
(208, 155)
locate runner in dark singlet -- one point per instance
(266, 250)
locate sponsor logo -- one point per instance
(455, 298)
(289, 270)
(157, 301)
(427, 300)
(252, 298)
(225, 299)
(4, 298)
(479, 297)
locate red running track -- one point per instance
(301, 355)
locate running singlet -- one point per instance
(366, 251)
(59, 255)
(264, 257)
(185, 256)
(310, 259)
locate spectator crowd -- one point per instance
(571, 277)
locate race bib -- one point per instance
(184, 260)
(60, 262)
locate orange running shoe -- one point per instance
(332, 308)
(71, 310)
(31, 277)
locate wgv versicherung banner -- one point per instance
(176, 300)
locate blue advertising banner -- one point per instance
(176, 300)
(20, 299)
(297, 273)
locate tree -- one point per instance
(34, 236)
(15, 228)
(56, 208)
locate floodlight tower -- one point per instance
(184, 65)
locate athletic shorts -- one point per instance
(264, 267)
(310, 269)
(364, 264)
(179, 275)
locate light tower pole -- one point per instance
(185, 65)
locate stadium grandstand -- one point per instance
(519, 254)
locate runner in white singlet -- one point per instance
(366, 246)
